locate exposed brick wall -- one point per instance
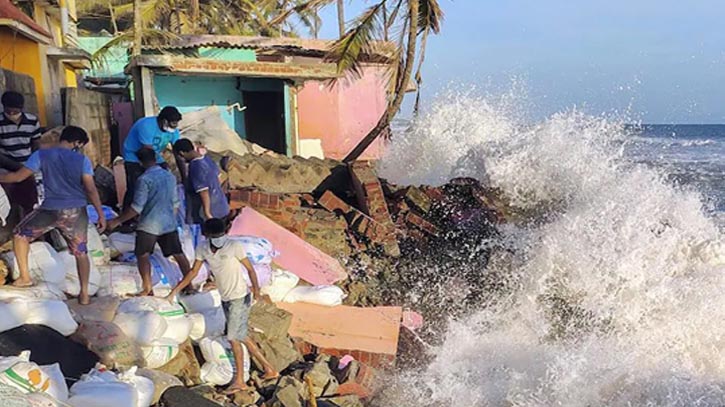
(371, 200)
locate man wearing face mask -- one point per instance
(207, 200)
(155, 203)
(69, 185)
(155, 133)
(19, 137)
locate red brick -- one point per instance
(421, 223)
(332, 203)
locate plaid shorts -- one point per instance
(71, 223)
(237, 314)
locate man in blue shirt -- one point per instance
(68, 181)
(206, 198)
(155, 202)
(155, 133)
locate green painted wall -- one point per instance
(232, 54)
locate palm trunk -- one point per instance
(341, 17)
(137, 24)
(194, 15)
(400, 88)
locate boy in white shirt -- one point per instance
(223, 256)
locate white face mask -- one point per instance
(218, 242)
(14, 117)
(168, 129)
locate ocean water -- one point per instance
(617, 293)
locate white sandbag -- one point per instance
(43, 400)
(58, 389)
(144, 387)
(207, 324)
(258, 249)
(12, 314)
(197, 326)
(122, 242)
(44, 264)
(162, 382)
(143, 327)
(41, 291)
(219, 366)
(160, 355)
(119, 279)
(263, 272)
(101, 388)
(22, 374)
(282, 283)
(201, 301)
(164, 273)
(97, 251)
(329, 295)
(52, 313)
(177, 331)
(154, 304)
(71, 283)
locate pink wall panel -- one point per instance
(342, 115)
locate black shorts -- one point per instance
(146, 243)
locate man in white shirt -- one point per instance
(224, 256)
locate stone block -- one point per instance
(421, 223)
(332, 203)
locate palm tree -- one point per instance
(341, 16)
(413, 19)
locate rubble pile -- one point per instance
(358, 273)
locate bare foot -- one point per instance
(84, 299)
(144, 294)
(236, 388)
(270, 374)
(22, 283)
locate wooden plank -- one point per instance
(373, 330)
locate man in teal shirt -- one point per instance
(155, 133)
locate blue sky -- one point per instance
(662, 61)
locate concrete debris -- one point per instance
(290, 392)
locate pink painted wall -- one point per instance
(342, 115)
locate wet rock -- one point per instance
(162, 381)
(290, 392)
(184, 366)
(320, 377)
(418, 198)
(247, 398)
(183, 397)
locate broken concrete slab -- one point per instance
(297, 256)
(370, 335)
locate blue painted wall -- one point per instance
(189, 93)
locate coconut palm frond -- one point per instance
(430, 16)
(359, 40)
(300, 9)
(124, 40)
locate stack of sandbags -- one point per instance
(52, 313)
(206, 313)
(27, 377)
(156, 325)
(103, 388)
(71, 284)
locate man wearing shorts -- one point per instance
(224, 257)
(155, 202)
(68, 180)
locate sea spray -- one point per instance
(621, 287)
